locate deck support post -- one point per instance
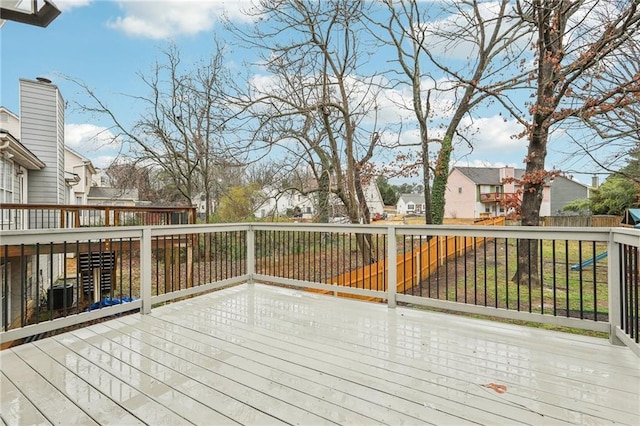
(392, 266)
(251, 253)
(145, 270)
(613, 279)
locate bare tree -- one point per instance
(126, 176)
(607, 140)
(573, 38)
(317, 107)
(182, 131)
(492, 41)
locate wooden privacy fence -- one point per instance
(412, 266)
(605, 221)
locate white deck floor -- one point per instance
(266, 355)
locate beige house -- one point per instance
(80, 171)
(478, 192)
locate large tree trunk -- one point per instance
(324, 194)
(533, 187)
(426, 181)
(550, 32)
(364, 240)
(440, 178)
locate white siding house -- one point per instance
(277, 203)
(16, 162)
(374, 198)
(410, 204)
(82, 171)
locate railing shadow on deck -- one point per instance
(57, 278)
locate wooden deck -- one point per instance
(266, 355)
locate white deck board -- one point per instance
(15, 407)
(54, 405)
(401, 372)
(267, 355)
(90, 400)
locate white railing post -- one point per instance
(613, 279)
(392, 266)
(251, 253)
(145, 270)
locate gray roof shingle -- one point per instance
(486, 175)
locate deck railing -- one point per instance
(53, 216)
(579, 278)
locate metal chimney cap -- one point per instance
(43, 80)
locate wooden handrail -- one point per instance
(76, 210)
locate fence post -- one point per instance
(251, 253)
(145, 270)
(392, 266)
(613, 279)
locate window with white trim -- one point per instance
(6, 185)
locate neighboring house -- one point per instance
(373, 198)
(102, 195)
(279, 203)
(200, 201)
(37, 168)
(32, 162)
(16, 162)
(42, 131)
(410, 204)
(100, 178)
(478, 192)
(275, 202)
(564, 190)
(80, 169)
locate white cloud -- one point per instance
(66, 5)
(449, 36)
(102, 161)
(168, 18)
(494, 135)
(96, 143)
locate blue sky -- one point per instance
(106, 43)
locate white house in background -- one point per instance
(410, 204)
(274, 203)
(278, 203)
(16, 161)
(373, 198)
(102, 195)
(100, 178)
(81, 170)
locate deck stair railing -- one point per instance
(47, 283)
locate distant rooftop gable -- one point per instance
(491, 175)
(82, 158)
(486, 175)
(412, 198)
(113, 194)
(22, 155)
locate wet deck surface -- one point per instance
(265, 355)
